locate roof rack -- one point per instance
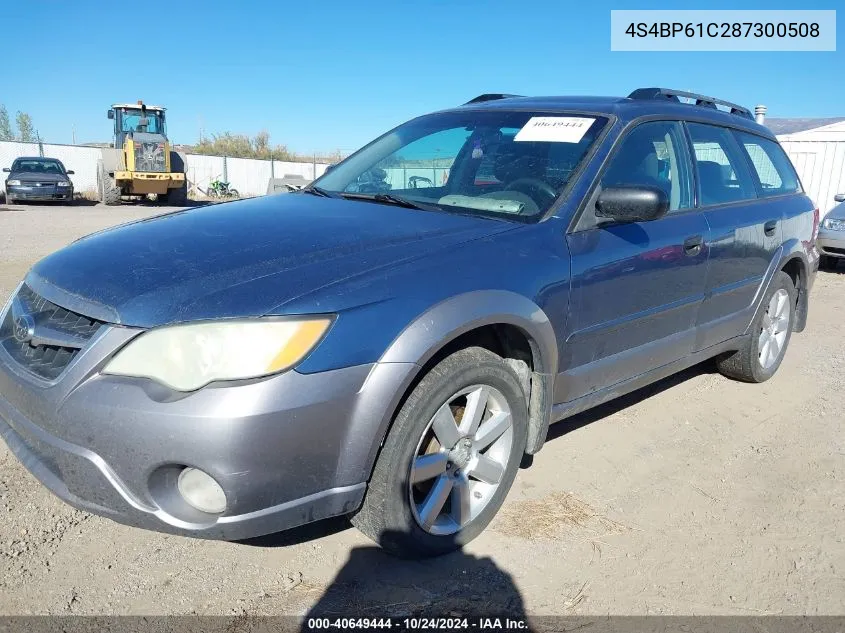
(700, 100)
(490, 97)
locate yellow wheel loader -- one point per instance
(140, 161)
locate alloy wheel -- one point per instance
(460, 459)
(774, 329)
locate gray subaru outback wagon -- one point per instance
(391, 341)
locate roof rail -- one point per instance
(490, 97)
(700, 100)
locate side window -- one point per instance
(722, 170)
(654, 154)
(773, 167)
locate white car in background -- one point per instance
(831, 241)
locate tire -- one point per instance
(233, 193)
(176, 197)
(109, 192)
(748, 364)
(394, 510)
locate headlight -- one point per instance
(13, 183)
(834, 224)
(63, 183)
(187, 357)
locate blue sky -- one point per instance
(334, 74)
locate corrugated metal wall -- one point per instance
(248, 176)
(821, 167)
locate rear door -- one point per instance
(636, 287)
(746, 232)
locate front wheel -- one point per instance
(449, 459)
(233, 193)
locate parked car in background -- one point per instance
(38, 179)
(391, 352)
(832, 235)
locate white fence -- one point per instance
(820, 164)
(249, 176)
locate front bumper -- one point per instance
(287, 450)
(140, 182)
(39, 194)
(831, 243)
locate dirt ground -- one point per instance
(697, 495)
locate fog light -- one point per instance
(201, 491)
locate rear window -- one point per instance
(722, 169)
(771, 164)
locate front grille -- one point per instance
(831, 249)
(66, 331)
(149, 157)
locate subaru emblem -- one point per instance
(24, 328)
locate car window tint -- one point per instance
(722, 171)
(654, 155)
(773, 167)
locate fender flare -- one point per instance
(446, 321)
(789, 251)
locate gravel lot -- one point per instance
(698, 495)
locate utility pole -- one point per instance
(73, 133)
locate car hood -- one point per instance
(837, 212)
(240, 259)
(32, 176)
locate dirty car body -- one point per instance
(502, 247)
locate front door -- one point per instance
(636, 288)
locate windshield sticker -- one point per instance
(554, 129)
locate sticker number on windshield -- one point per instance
(554, 129)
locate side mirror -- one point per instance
(111, 114)
(6, 169)
(328, 169)
(632, 204)
(839, 197)
(69, 172)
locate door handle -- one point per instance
(769, 227)
(692, 245)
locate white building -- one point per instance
(817, 149)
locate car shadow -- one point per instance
(375, 584)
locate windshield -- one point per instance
(499, 162)
(38, 166)
(136, 121)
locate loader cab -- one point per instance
(134, 119)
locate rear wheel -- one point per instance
(450, 458)
(764, 349)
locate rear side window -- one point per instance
(722, 169)
(774, 170)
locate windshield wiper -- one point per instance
(318, 191)
(386, 198)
